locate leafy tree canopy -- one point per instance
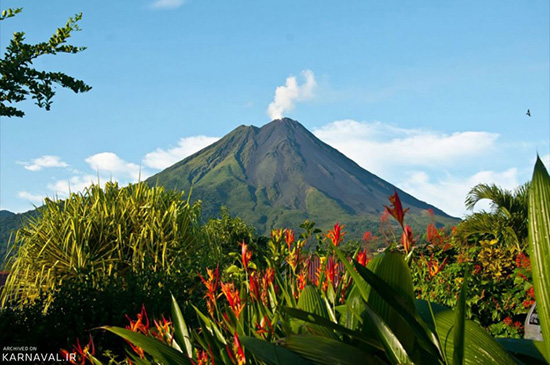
(20, 79)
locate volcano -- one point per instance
(279, 175)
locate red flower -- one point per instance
(531, 292)
(477, 269)
(528, 303)
(396, 209)
(233, 298)
(289, 237)
(141, 324)
(245, 255)
(211, 288)
(336, 235)
(236, 353)
(522, 261)
(163, 331)
(507, 321)
(407, 239)
(362, 258)
(434, 267)
(367, 237)
(79, 354)
(517, 325)
(301, 280)
(254, 286)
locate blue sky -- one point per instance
(429, 95)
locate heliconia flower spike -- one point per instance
(336, 235)
(245, 255)
(407, 239)
(289, 237)
(396, 209)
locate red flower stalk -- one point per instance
(141, 324)
(203, 358)
(301, 280)
(434, 267)
(233, 298)
(254, 286)
(335, 235)
(396, 209)
(330, 271)
(164, 331)
(289, 237)
(362, 257)
(522, 261)
(507, 321)
(79, 354)
(236, 353)
(264, 327)
(211, 288)
(407, 239)
(367, 237)
(245, 255)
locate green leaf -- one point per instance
(531, 352)
(322, 350)
(539, 245)
(369, 344)
(181, 332)
(394, 349)
(158, 350)
(311, 302)
(363, 277)
(479, 346)
(271, 353)
(460, 319)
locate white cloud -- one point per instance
(449, 192)
(380, 148)
(161, 159)
(39, 163)
(167, 4)
(286, 96)
(62, 188)
(33, 198)
(110, 163)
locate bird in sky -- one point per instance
(528, 113)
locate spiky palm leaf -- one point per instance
(102, 231)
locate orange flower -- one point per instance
(264, 327)
(79, 354)
(434, 267)
(407, 239)
(289, 237)
(245, 255)
(211, 288)
(254, 286)
(141, 324)
(396, 209)
(233, 298)
(301, 280)
(236, 353)
(164, 331)
(362, 258)
(336, 235)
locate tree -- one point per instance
(19, 79)
(507, 220)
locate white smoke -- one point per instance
(286, 96)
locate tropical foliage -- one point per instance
(104, 232)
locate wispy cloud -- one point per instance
(110, 163)
(449, 192)
(286, 96)
(167, 4)
(426, 164)
(63, 187)
(163, 158)
(380, 147)
(45, 161)
(35, 199)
